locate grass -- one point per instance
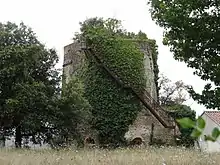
(150, 156)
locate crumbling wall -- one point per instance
(73, 61)
(142, 127)
(149, 69)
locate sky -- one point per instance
(56, 21)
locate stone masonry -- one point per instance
(142, 127)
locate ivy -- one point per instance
(114, 108)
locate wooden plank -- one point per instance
(141, 98)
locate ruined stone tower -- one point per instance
(146, 126)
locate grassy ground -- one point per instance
(169, 156)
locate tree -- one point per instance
(171, 93)
(73, 117)
(178, 111)
(191, 29)
(172, 97)
(29, 82)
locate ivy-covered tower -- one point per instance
(146, 126)
(119, 72)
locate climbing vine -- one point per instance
(113, 107)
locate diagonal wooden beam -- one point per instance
(147, 104)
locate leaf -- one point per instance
(186, 122)
(215, 133)
(201, 123)
(209, 138)
(196, 133)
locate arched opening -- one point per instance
(136, 141)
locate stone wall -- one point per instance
(149, 69)
(73, 60)
(142, 127)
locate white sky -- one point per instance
(56, 21)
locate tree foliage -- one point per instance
(30, 97)
(192, 32)
(29, 82)
(178, 111)
(198, 127)
(113, 107)
(73, 115)
(191, 29)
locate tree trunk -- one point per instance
(18, 137)
(2, 141)
(2, 138)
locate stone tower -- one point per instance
(146, 125)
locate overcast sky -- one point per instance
(56, 21)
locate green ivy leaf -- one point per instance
(215, 133)
(209, 138)
(186, 122)
(196, 133)
(201, 123)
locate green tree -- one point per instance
(29, 82)
(73, 117)
(191, 29)
(178, 111)
(113, 107)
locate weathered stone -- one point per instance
(73, 60)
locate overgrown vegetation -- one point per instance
(73, 117)
(180, 111)
(114, 108)
(29, 82)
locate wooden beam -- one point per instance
(141, 98)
